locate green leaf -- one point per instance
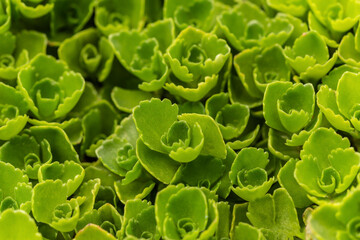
(204, 171)
(98, 123)
(213, 143)
(153, 118)
(326, 100)
(33, 9)
(126, 100)
(244, 231)
(295, 8)
(159, 165)
(287, 181)
(323, 223)
(266, 72)
(61, 148)
(93, 232)
(89, 190)
(137, 189)
(346, 98)
(13, 109)
(315, 146)
(139, 220)
(17, 225)
(11, 177)
(49, 205)
(232, 119)
(275, 215)
(277, 144)
(292, 116)
(5, 15)
(47, 196)
(189, 91)
(187, 13)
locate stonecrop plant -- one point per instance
(179, 119)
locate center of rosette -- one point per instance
(47, 94)
(90, 57)
(7, 112)
(196, 54)
(330, 179)
(6, 61)
(353, 227)
(251, 178)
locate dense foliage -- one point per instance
(179, 119)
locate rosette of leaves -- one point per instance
(15, 189)
(88, 53)
(51, 206)
(256, 70)
(349, 48)
(186, 213)
(17, 50)
(39, 144)
(112, 16)
(141, 53)
(233, 120)
(69, 172)
(13, 109)
(335, 15)
(339, 101)
(322, 171)
(5, 15)
(297, 8)
(290, 108)
(69, 17)
(139, 221)
(198, 13)
(247, 26)
(178, 139)
(196, 59)
(248, 175)
(118, 154)
(50, 89)
(336, 221)
(309, 57)
(106, 217)
(34, 8)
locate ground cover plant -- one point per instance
(179, 119)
